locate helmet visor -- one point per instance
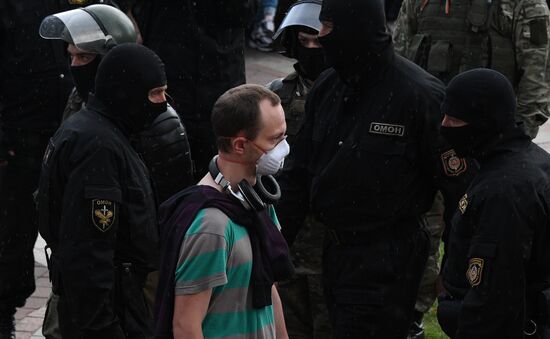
(302, 14)
(76, 27)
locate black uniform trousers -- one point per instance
(371, 280)
(18, 216)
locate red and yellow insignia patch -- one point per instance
(475, 271)
(452, 164)
(103, 214)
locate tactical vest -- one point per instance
(458, 35)
(293, 92)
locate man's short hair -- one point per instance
(238, 111)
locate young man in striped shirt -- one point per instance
(217, 291)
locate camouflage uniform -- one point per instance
(511, 36)
(305, 312)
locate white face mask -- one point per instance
(272, 161)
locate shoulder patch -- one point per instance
(387, 129)
(463, 203)
(452, 164)
(103, 214)
(475, 271)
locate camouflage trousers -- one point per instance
(427, 293)
(304, 307)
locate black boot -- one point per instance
(7, 323)
(416, 329)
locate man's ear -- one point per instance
(237, 145)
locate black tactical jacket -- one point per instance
(498, 260)
(98, 214)
(164, 148)
(369, 153)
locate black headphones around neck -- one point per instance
(266, 191)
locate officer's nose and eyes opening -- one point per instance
(158, 95)
(308, 40)
(79, 57)
(449, 121)
(326, 28)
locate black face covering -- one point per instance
(359, 38)
(485, 100)
(466, 140)
(311, 61)
(155, 109)
(124, 78)
(84, 77)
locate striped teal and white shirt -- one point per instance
(216, 253)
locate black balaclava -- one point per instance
(484, 99)
(359, 40)
(311, 61)
(124, 78)
(84, 77)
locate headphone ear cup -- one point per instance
(250, 195)
(268, 189)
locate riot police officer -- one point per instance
(367, 163)
(306, 314)
(96, 203)
(496, 275)
(164, 146)
(451, 37)
(34, 84)
(297, 36)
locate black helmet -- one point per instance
(95, 28)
